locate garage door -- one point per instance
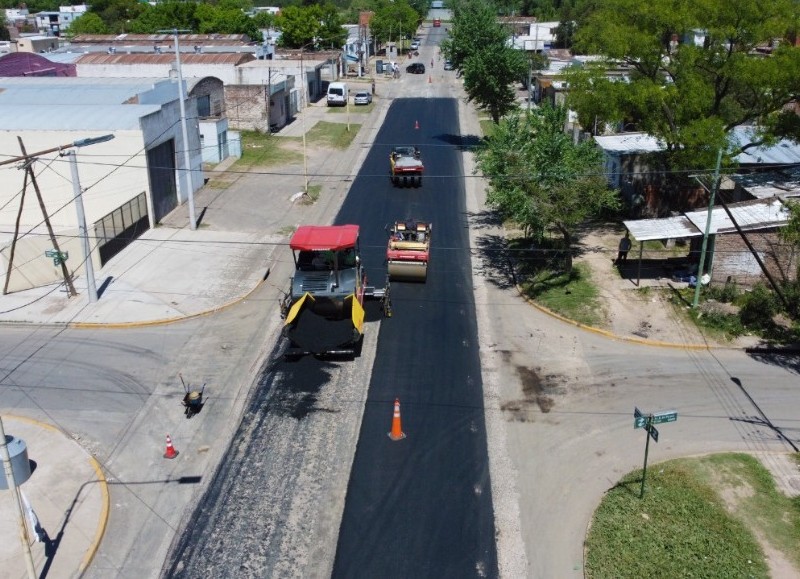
(161, 170)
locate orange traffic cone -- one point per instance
(416, 124)
(430, 80)
(171, 452)
(397, 432)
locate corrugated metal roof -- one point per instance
(665, 228)
(781, 184)
(750, 215)
(20, 117)
(166, 58)
(203, 39)
(756, 214)
(784, 152)
(629, 143)
(46, 91)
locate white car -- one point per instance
(415, 45)
(362, 98)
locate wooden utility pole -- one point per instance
(28, 159)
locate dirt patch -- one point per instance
(638, 308)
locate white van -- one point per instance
(337, 94)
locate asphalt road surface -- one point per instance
(421, 507)
(416, 507)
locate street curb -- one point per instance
(163, 321)
(101, 479)
(607, 334)
(103, 522)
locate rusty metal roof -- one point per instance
(166, 58)
(149, 39)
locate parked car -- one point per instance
(414, 45)
(416, 68)
(362, 98)
(448, 65)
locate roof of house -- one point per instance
(750, 215)
(151, 39)
(783, 184)
(166, 58)
(30, 64)
(629, 143)
(67, 103)
(785, 152)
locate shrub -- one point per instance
(723, 293)
(758, 307)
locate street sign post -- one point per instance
(647, 421)
(639, 419)
(665, 416)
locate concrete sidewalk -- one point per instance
(72, 509)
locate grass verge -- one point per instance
(260, 150)
(333, 135)
(570, 294)
(699, 518)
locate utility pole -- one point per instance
(187, 160)
(701, 265)
(29, 173)
(91, 287)
(12, 487)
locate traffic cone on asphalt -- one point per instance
(397, 431)
(416, 124)
(171, 452)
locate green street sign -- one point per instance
(639, 419)
(59, 257)
(653, 431)
(666, 416)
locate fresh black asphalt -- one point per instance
(422, 506)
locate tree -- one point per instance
(475, 27)
(331, 32)
(165, 16)
(540, 178)
(299, 25)
(393, 19)
(691, 95)
(478, 46)
(489, 76)
(88, 23)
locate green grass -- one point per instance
(260, 150)
(487, 127)
(218, 184)
(313, 194)
(333, 135)
(571, 295)
(360, 109)
(682, 526)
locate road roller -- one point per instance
(408, 251)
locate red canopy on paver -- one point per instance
(324, 237)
